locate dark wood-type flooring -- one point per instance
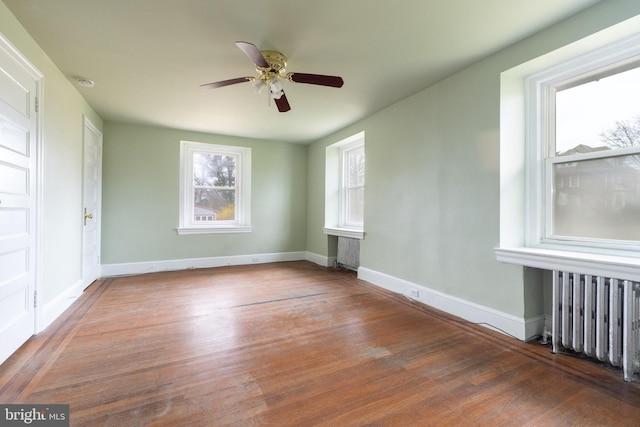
(294, 344)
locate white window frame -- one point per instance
(540, 90)
(519, 184)
(345, 151)
(242, 223)
(335, 191)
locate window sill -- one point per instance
(215, 230)
(613, 266)
(345, 232)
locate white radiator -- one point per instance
(598, 316)
(348, 253)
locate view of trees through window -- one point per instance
(214, 183)
(597, 192)
(603, 113)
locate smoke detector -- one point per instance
(84, 82)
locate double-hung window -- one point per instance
(352, 188)
(215, 188)
(344, 187)
(584, 153)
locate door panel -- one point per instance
(13, 92)
(13, 223)
(18, 199)
(13, 137)
(91, 199)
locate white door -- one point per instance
(18, 198)
(91, 199)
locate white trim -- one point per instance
(38, 77)
(87, 125)
(333, 197)
(132, 268)
(215, 229)
(54, 308)
(540, 90)
(578, 262)
(184, 264)
(325, 261)
(344, 232)
(242, 223)
(345, 154)
(39, 198)
(522, 329)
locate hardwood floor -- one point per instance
(294, 344)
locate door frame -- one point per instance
(38, 77)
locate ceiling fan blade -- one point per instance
(253, 53)
(226, 82)
(283, 104)
(316, 79)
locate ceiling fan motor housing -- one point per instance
(277, 63)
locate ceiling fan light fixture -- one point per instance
(275, 85)
(258, 85)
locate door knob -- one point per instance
(87, 216)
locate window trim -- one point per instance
(334, 189)
(344, 184)
(242, 224)
(514, 247)
(540, 89)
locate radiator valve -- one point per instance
(545, 336)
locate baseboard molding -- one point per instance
(520, 328)
(322, 260)
(131, 268)
(54, 308)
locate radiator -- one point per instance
(348, 253)
(597, 316)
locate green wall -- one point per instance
(432, 193)
(432, 198)
(60, 265)
(433, 182)
(140, 197)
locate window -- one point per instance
(352, 187)
(583, 152)
(215, 188)
(344, 187)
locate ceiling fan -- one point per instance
(271, 67)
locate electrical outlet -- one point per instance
(414, 293)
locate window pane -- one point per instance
(598, 198)
(214, 170)
(601, 114)
(214, 205)
(355, 160)
(355, 206)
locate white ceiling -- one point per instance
(149, 57)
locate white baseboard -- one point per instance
(53, 309)
(522, 329)
(322, 260)
(126, 269)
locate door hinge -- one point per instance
(36, 104)
(35, 299)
